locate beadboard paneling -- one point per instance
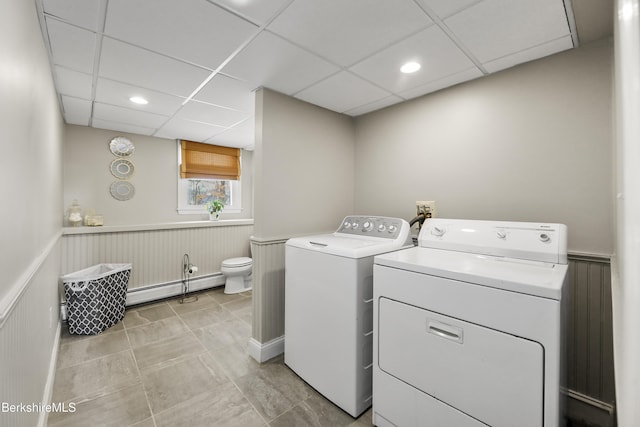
(28, 342)
(268, 289)
(156, 255)
(590, 370)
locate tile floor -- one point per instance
(171, 364)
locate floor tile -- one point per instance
(218, 295)
(226, 407)
(315, 411)
(147, 314)
(168, 351)
(95, 377)
(66, 337)
(224, 334)
(235, 360)
(93, 347)
(157, 331)
(170, 385)
(241, 308)
(273, 390)
(204, 301)
(171, 364)
(123, 407)
(205, 317)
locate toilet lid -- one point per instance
(237, 262)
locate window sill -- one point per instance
(149, 227)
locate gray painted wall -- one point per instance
(304, 158)
(532, 143)
(87, 178)
(30, 218)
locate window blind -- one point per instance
(208, 161)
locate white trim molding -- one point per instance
(10, 300)
(262, 352)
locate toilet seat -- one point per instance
(237, 262)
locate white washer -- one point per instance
(329, 306)
(468, 326)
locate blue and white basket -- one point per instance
(96, 297)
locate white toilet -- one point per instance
(237, 272)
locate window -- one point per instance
(208, 172)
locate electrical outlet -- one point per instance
(428, 208)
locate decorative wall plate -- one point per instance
(121, 146)
(122, 168)
(122, 190)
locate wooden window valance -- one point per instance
(208, 161)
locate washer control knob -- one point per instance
(355, 225)
(392, 228)
(347, 225)
(501, 234)
(544, 237)
(382, 227)
(438, 231)
(367, 226)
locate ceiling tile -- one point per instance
(240, 136)
(122, 127)
(373, 106)
(228, 92)
(444, 8)
(432, 48)
(114, 113)
(71, 46)
(535, 52)
(115, 93)
(496, 28)
(347, 31)
(451, 80)
(342, 92)
(211, 114)
(257, 11)
(195, 31)
(73, 83)
(83, 13)
(128, 64)
(76, 111)
(185, 129)
(275, 63)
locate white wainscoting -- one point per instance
(156, 253)
(268, 298)
(29, 331)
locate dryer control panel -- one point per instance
(522, 240)
(373, 226)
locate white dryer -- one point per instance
(329, 306)
(468, 326)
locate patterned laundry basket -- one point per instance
(96, 297)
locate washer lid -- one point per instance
(237, 262)
(348, 247)
(535, 278)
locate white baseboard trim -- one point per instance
(263, 352)
(171, 289)
(48, 388)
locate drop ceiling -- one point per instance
(199, 62)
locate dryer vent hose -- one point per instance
(419, 219)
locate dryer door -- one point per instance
(494, 377)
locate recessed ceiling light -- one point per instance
(410, 67)
(138, 100)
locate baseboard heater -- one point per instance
(160, 291)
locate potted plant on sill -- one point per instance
(214, 207)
